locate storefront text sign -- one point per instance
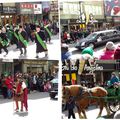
(72, 67)
(91, 69)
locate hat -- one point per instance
(113, 73)
(110, 46)
(37, 26)
(6, 74)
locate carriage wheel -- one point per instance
(114, 106)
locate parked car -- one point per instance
(96, 39)
(54, 88)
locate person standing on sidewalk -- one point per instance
(39, 40)
(70, 107)
(9, 84)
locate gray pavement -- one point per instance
(53, 51)
(91, 113)
(40, 107)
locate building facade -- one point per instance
(77, 14)
(35, 66)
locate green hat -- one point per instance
(88, 50)
(6, 74)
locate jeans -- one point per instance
(9, 92)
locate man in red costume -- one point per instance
(20, 93)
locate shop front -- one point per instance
(29, 12)
(9, 15)
(99, 73)
(69, 73)
(6, 66)
(35, 66)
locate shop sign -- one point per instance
(112, 7)
(35, 62)
(37, 8)
(26, 8)
(72, 67)
(92, 69)
(9, 10)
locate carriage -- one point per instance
(108, 97)
(113, 98)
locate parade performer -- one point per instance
(20, 94)
(48, 33)
(15, 36)
(9, 33)
(23, 40)
(39, 40)
(3, 42)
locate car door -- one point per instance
(101, 39)
(106, 37)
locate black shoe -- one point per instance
(46, 55)
(21, 53)
(37, 56)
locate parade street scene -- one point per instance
(90, 89)
(26, 88)
(29, 30)
(93, 25)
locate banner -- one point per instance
(112, 7)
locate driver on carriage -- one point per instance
(114, 81)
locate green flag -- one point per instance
(23, 40)
(46, 27)
(41, 41)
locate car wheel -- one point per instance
(91, 45)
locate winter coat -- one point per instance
(20, 43)
(117, 53)
(39, 47)
(107, 55)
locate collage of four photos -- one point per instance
(60, 59)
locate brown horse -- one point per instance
(84, 97)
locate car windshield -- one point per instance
(91, 36)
